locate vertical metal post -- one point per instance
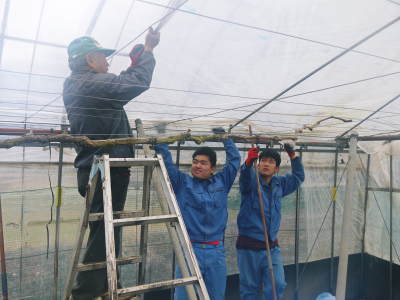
(391, 230)
(22, 221)
(4, 286)
(178, 154)
(177, 163)
(347, 220)
(334, 193)
(58, 212)
(363, 273)
(297, 237)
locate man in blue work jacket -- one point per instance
(203, 199)
(251, 246)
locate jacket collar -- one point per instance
(274, 181)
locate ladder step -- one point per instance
(102, 264)
(156, 286)
(131, 162)
(146, 220)
(117, 214)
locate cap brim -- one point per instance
(107, 52)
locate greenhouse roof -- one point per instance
(217, 62)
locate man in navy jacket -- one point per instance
(202, 199)
(94, 100)
(251, 246)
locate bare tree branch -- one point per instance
(312, 126)
(86, 142)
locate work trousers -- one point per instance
(91, 284)
(254, 276)
(212, 263)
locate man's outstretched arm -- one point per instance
(175, 175)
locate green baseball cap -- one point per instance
(84, 45)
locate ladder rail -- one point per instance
(144, 228)
(90, 190)
(158, 174)
(182, 233)
(109, 230)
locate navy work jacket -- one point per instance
(95, 106)
(249, 219)
(203, 203)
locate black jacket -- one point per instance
(95, 106)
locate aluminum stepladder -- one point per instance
(153, 167)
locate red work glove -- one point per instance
(135, 53)
(252, 155)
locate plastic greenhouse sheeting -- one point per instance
(217, 62)
(27, 211)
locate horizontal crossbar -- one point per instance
(146, 220)
(117, 214)
(140, 289)
(132, 162)
(102, 264)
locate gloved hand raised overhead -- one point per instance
(152, 40)
(289, 145)
(252, 155)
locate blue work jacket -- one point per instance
(203, 202)
(249, 219)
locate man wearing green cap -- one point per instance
(94, 101)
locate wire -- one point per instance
(123, 27)
(224, 95)
(262, 122)
(397, 3)
(43, 107)
(143, 32)
(168, 105)
(270, 31)
(336, 57)
(168, 113)
(370, 115)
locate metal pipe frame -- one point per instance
(4, 26)
(366, 195)
(177, 163)
(58, 219)
(391, 229)
(393, 190)
(355, 45)
(95, 17)
(337, 150)
(347, 219)
(297, 237)
(4, 285)
(332, 259)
